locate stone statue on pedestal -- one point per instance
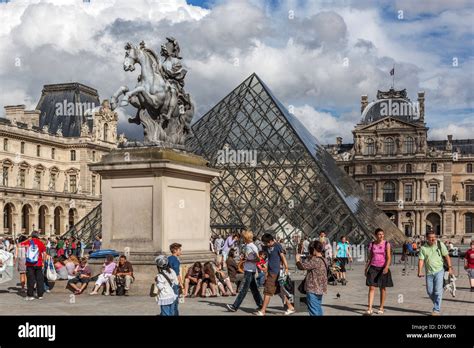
(164, 109)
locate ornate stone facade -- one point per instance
(420, 184)
(45, 181)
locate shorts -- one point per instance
(342, 261)
(76, 280)
(470, 273)
(271, 285)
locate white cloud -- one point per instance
(301, 59)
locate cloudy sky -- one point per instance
(319, 56)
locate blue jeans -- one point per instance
(249, 282)
(260, 278)
(176, 302)
(314, 302)
(434, 288)
(167, 310)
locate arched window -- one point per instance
(370, 147)
(469, 219)
(369, 169)
(408, 168)
(106, 131)
(469, 168)
(434, 168)
(73, 155)
(389, 146)
(409, 145)
(389, 192)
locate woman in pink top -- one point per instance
(107, 270)
(377, 271)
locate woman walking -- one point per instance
(250, 269)
(377, 270)
(316, 280)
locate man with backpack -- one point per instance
(435, 257)
(35, 256)
(275, 257)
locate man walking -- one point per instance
(433, 256)
(275, 257)
(35, 254)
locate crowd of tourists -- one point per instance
(242, 263)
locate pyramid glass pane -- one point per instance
(292, 186)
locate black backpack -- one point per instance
(120, 290)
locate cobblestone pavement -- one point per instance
(407, 297)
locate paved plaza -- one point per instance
(408, 297)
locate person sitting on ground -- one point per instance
(122, 273)
(60, 267)
(209, 280)
(223, 282)
(107, 270)
(71, 262)
(82, 276)
(193, 278)
(233, 270)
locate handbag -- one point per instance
(153, 290)
(51, 274)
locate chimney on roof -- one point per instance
(364, 101)
(421, 106)
(339, 141)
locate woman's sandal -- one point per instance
(380, 311)
(369, 312)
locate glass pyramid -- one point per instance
(276, 176)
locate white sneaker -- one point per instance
(48, 291)
(40, 298)
(290, 312)
(29, 298)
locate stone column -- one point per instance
(2, 205)
(423, 222)
(455, 222)
(400, 190)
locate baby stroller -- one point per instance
(334, 268)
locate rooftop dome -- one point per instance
(391, 103)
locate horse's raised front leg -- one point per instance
(114, 99)
(133, 92)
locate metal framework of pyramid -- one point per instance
(293, 187)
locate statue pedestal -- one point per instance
(153, 197)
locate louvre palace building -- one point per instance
(420, 184)
(45, 182)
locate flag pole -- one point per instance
(393, 77)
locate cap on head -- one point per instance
(161, 261)
(34, 234)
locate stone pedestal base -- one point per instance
(151, 198)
